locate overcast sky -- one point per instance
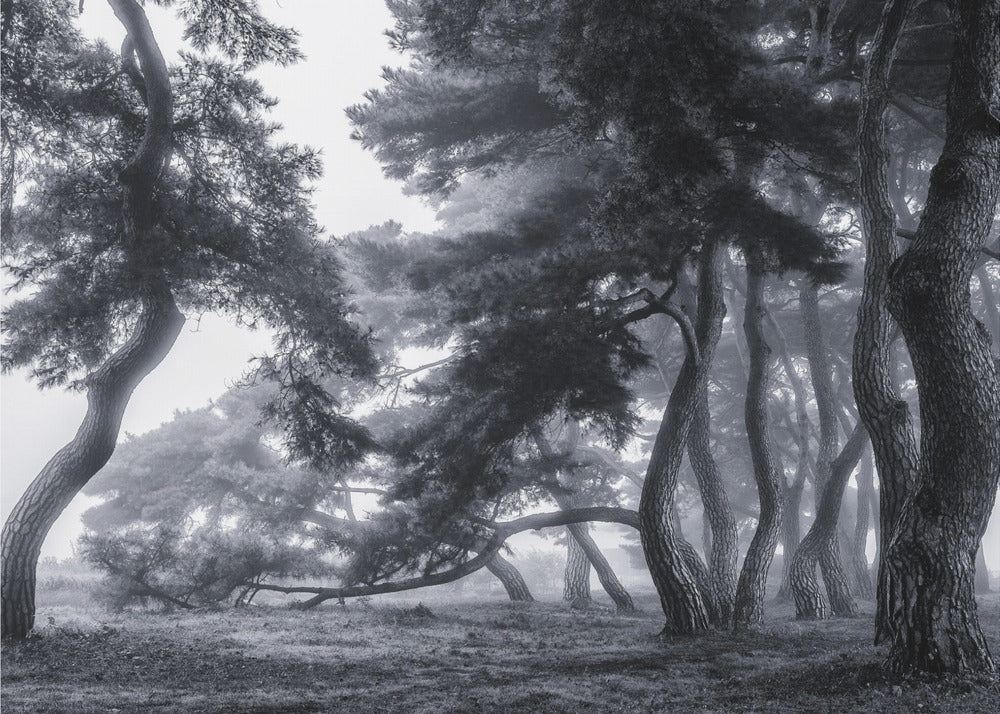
(345, 51)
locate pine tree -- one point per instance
(148, 192)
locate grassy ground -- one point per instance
(391, 656)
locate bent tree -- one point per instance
(927, 588)
(932, 552)
(138, 191)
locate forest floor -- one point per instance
(456, 655)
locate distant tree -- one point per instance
(134, 191)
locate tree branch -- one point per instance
(503, 531)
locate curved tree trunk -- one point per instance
(723, 553)
(111, 385)
(487, 548)
(932, 550)
(683, 605)
(885, 415)
(719, 524)
(821, 540)
(821, 546)
(576, 579)
(605, 574)
(749, 607)
(859, 543)
(511, 579)
(108, 392)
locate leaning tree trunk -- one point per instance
(683, 604)
(821, 545)
(885, 415)
(932, 549)
(605, 574)
(749, 607)
(859, 543)
(111, 385)
(510, 577)
(723, 553)
(576, 579)
(579, 538)
(820, 540)
(108, 392)
(720, 534)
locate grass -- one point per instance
(452, 655)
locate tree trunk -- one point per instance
(108, 392)
(722, 555)
(749, 607)
(821, 542)
(511, 579)
(791, 532)
(111, 385)
(821, 545)
(579, 537)
(932, 550)
(885, 415)
(791, 493)
(859, 543)
(605, 574)
(576, 580)
(682, 603)
(831, 563)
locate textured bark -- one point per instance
(576, 579)
(861, 574)
(605, 574)
(821, 539)
(931, 554)
(511, 579)
(683, 605)
(821, 545)
(108, 392)
(111, 385)
(749, 608)
(885, 415)
(722, 555)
